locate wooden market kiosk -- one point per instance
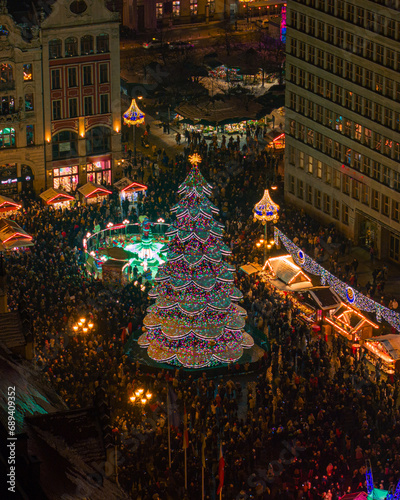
(351, 324)
(12, 235)
(386, 349)
(285, 275)
(57, 197)
(94, 193)
(7, 206)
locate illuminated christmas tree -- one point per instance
(195, 321)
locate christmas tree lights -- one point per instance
(195, 321)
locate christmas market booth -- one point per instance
(285, 275)
(94, 193)
(351, 324)
(129, 190)
(12, 235)
(276, 141)
(57, 197)
(251, 268)
(7, 206)
(385, 350)
(316, 303)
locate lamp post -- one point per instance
(134, 116)
(82, 326)
(266, 210)
(140, 398)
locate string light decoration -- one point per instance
(133, 115)
(266, 211)
(195, 320)
(356, 298)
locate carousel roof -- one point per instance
(52, 196)
(90, 189)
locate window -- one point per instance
(360, 46)
(336, 179)
(369, 50)
(328, 145)
(337, 150)
(292, 155)
(311, 54)
(378, 113)
(301, 159)
(380, 24)
(374, 200)
(98, 140)
(320, 58)
(386, 175)
(389, 87)
(301, 105)
(357, 103)
(396, 151)
(88, 105)
(176, 8)
(310, 82)
(300, 188)
(329, 62)
(103, 70)
(302, 50)
(72, 77)
(329, 90)
(293, 100)
(292, 128)
(348, 99)
(56, 110)
(347, 128)
(360, 16)
(310, 165)
(311, 26)
(377, 142)
(357, 160)
(365, 194)
(349, 42)
(291, 184)
(395, 210)
(30, 135)
(7, 104)
(345, 214)
(73, 107)
(65, 178)
(64, 145)
(338, 122)
(370, 20)
(335, 213)
(368, 79)
(327, 204)
(321, 30)
(379, 53)
(328, 174)
(387, 147)
(328, 118)
(309, 194)
(87, 75)
(102, 43)
(379, 83)
(29, 102)
(99, 172)
(338, 94)
(339, 37)
(302, 77)
(293, 46)
(55, 49)
(350, 13)
(302, 22)
(7, 138)
(319, 113)
(55, 79)
(319, 169)
(28, 74)
(340, 9)
(87, 45)
(390, 58)
(339, 66)
(310, 109)
(318, 199)
(356, 190)
(104, 104)
(376, 170)
(318, 141)
(346, 184)
(71, 47)
(396, 181)
(348, 73)
(367, 136)
(193, 7)
(391, 28)
(394, 247)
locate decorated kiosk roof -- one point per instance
(125, 185)
(12, 235)
(8, 205)
(90, 190)
(52, 196)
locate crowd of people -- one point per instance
(298, 427)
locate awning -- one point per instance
(126, 185)
(13, 236)
(8, 205)
(52, 196)
(91, 190)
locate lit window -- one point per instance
(28, 75)
(176, 8)
(159, 10)
(7, 138)
(193, 7)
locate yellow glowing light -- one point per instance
(143, 400)
(75, 328)
(85, 330)
(195, 159)
(90, 325)
(140, 391)
(133, 399)
(82, 320)
(258, 244)
(149, 395)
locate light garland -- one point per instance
(347, 293)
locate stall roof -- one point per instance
(325, 297)
(126, 184)
(390, 342)
(349, 320)
(291, 276)
(7, 204)
(12, 235)
(52, 196)
(251, 268)
(89, 190)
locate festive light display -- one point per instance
(195, 321)
(283, 24)
(133, 115)
(266, 210)
(356, 298)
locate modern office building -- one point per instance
(343, 117)
(60, 114)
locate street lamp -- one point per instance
(266, 210)
(134, 116)
(82, 326)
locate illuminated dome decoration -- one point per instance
(350, 295)
(133, 116)
(266, 210)
(195, 321)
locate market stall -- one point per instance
(386, 350)
(321, 300)
(57, 197)
(94, 193)
(129, 190)
(7, 206)
(285, 275)
(12, 235)
(251, 268)
(351, 324)
(276, 141)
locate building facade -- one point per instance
(142, 15)
(343, 117)
(81, 86)
(21, 109)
